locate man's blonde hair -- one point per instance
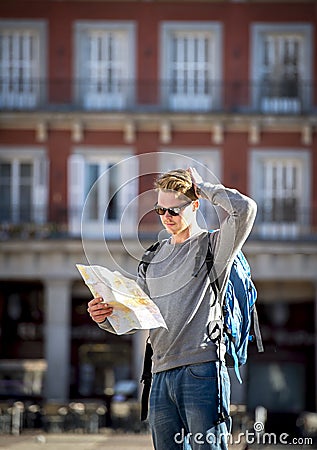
(178, 180)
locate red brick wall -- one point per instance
(58, 146)
(236, 20)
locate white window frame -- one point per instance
(208, 164)
(38, 158)
(299, 158)
(9, 96)
(194, 101)
(286, 105)
(78, 200)
(84, 95)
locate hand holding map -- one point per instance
(132, 308)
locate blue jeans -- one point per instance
(184, 404)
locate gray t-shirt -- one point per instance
(184, 301)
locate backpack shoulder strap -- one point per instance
(147, 257)
(150, 252)
(210, 266)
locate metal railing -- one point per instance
(60, 224)
(158, 96)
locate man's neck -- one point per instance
(183, 235)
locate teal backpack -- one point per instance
(239, 311)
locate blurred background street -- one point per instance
(76, 442)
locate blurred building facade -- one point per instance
(117, 91)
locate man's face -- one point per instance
(176, 224)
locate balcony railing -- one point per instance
(162, 96)
(60, 226)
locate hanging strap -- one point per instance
(257, 332)
(146, 379)
(222, 416)
(235, 362)
(214, 283)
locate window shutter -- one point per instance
(190, 67)
(20, 68)
(40, 193)
(107, 67)
(128, 194)
(76, 193)
(280, 195)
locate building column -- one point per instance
(57, 339)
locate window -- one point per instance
(207, 163)
(102, 190)
(280, 185)
(105, 64)
(191, 65)
(23, 186)
(22, 64)
(281, 67)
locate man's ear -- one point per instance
(195, 205)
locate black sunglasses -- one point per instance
(174, 211)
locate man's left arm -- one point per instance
(240, 213)
(236, 226)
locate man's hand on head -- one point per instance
(196, 180)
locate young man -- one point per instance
(188, 358)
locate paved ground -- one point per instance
(107, 441)
(41, 441)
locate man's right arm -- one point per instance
(99, 311)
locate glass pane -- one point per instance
(5, 203)
(5, 191)
(290, 210)
(26, 170)
(113, 206)
(25, 196)
(106, 63)
(190, 64)
(25, 192)
(91, 176)
(5, 195)
(92, 173)
(19, 66)
(280, 193)
(274, 179)
(5, 171)
(25, 207)
(281, 59)
(282, 207)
